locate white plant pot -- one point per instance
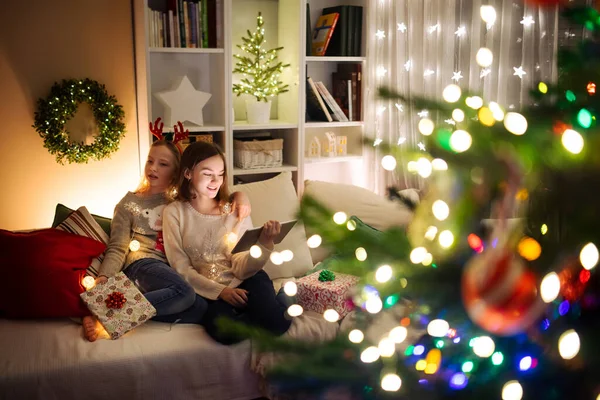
(258, 112)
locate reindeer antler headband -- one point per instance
(179, 133)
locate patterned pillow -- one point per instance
(81, 222)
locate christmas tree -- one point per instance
(506, 312)
(260, 67)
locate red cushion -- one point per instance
(42, 272)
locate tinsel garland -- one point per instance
(61, 105)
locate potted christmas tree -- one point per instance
(260, 70)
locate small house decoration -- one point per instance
(315, 148)
(342, 145)
(329, 145)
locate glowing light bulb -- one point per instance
(568, 344)
(458, 115)
(439, 165)
(529, 249)
(417, 255)
(438, 328)
(134, 245)
(295, 310)
(589, 256)
(88, 282)
(484, 346)
(373, 304)
(572, 141)
(361, 254)
(550, 287)
(452, 93)
(356, 336)
(387, 347)
(426, 126)
(460, 141)
(351, 225)
(369, 355)
(331, 315)
(388, 163)
(290, 288)
(424, 167)
(340, 217)
(488, 15)
(398, 334)
(255, 251)
(497, 358)
(515, 123)
(484, 57)
(446, 239)
(276, 258)
(512, 390)
(427, 260)
(313, 242)
(475, 102)
(383, 273)
(231, 238)
(391, 383)
(440, 210)
(431, 232)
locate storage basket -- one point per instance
(258, 153)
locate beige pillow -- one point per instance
(373, 209)
(276, 199)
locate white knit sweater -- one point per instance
(199, 247)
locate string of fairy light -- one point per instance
(484, 58)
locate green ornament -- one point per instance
(60, 106)
(326, 276)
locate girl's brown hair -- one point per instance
(194, 154)
(172, 190)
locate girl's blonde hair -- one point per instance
(194, 154)
(172, 189)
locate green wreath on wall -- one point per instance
(55, 110)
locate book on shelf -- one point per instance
(308, 31)
(340, 90)
(315, 108)
(346, 39)
(323, 31)
(353, 72)
(336, 111)
(186, 24)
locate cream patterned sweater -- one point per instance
(199, 247)
(136, 218)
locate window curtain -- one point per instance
(418, 47)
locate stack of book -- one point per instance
(186, 24)
(338, 32)
(343, 103)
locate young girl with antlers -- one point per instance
(136, 245)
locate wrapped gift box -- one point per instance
(118, 305)
(319, 296)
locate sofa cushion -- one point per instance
(42, 273)
(62, 212)
(374, 210)
(276, 199)
(81, 222)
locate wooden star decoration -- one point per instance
(183, 103)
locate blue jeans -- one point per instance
(173, 298)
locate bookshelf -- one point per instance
(209, 70)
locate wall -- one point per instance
(42, 42)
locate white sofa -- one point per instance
(49, 359)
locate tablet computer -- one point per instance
(250, 237)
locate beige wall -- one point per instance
(42, 42)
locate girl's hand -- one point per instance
(101, 279)
(270, 231)
(236, 297)
(241, 203)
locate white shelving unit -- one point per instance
(209, 70)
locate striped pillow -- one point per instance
(81, 222)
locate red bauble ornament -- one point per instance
(500, 293)
(573, 280)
